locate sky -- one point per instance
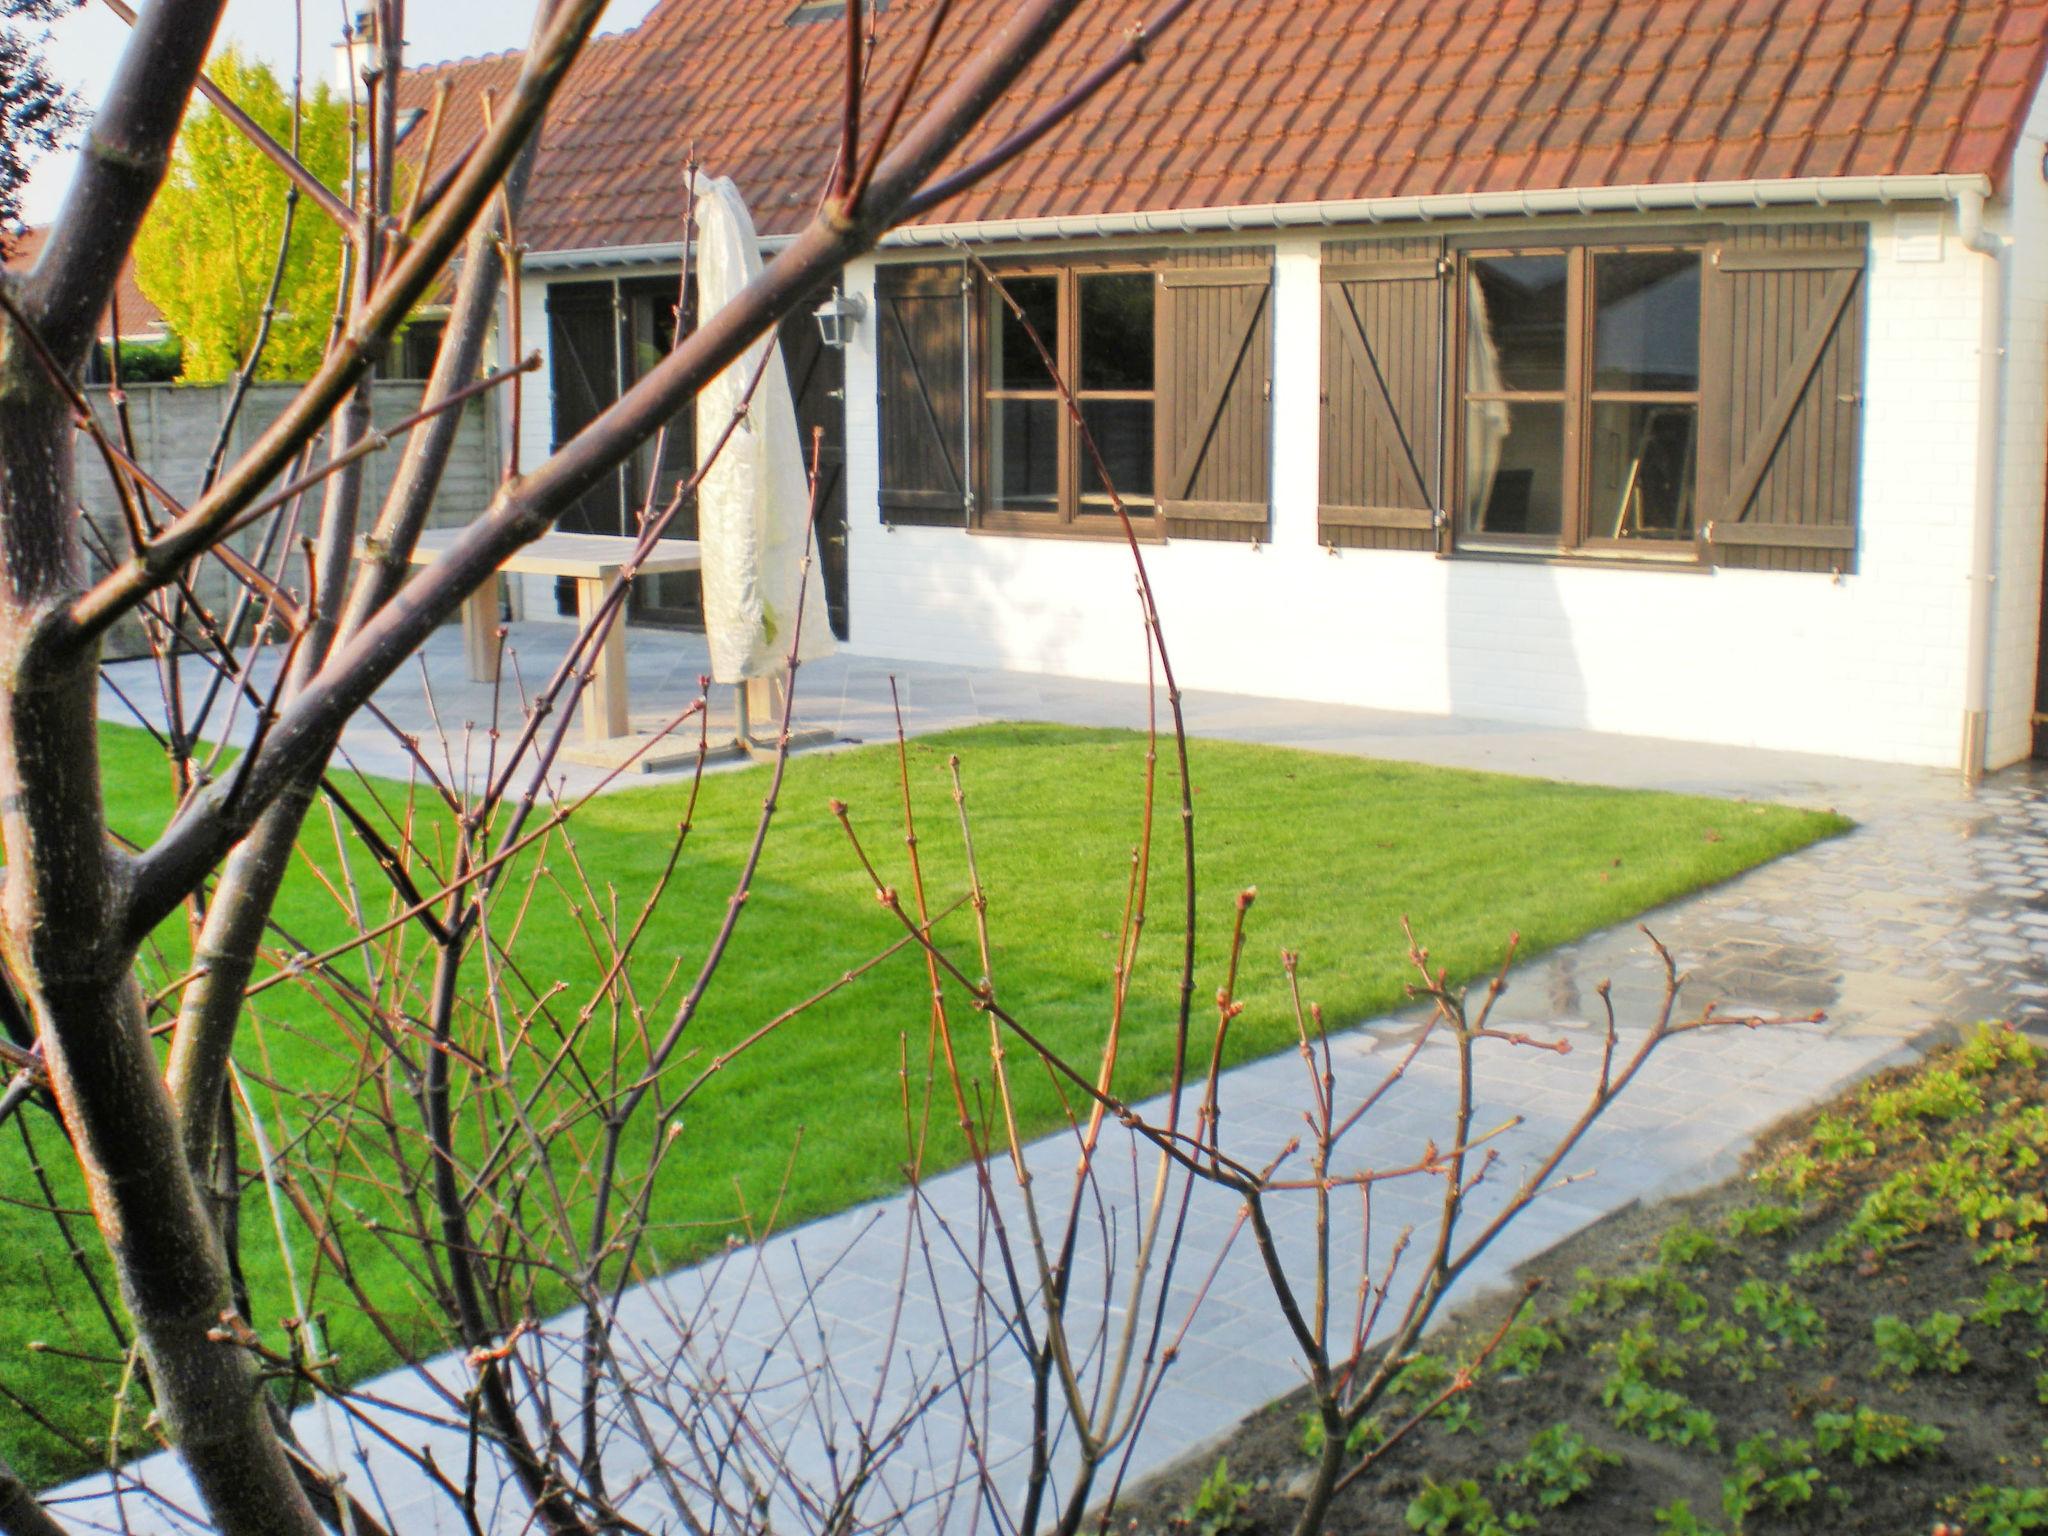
(85, 45)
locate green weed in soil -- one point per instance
(1853, 1338)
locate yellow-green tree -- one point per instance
(207, 250)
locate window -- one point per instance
(1580, 400)
(1169, 354)
(1098, 327)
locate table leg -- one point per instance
(761, 701)
(480, 638)
(604, 702)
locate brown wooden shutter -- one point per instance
(921, 393)
(1382, 394)
(1782, 395)
(1214, 380)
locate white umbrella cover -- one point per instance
(753, 508)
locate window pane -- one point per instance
(1016, 364)
(1027, 456)
(1515, 310)
(1643, 457)
(657, 337)
(1122, 429)
(1646, 322)
(1514, 467)
(1116, 331)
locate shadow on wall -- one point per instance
(1511, 652)
(1033, 605)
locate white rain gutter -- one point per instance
(1984, 521)
(665, 253)
(1694, 197)
(1824, 191)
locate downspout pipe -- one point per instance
(1983, 577)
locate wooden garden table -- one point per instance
(593, 561)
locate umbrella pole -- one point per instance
(765, 698)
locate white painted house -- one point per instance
(1675, 367)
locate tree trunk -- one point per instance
(62, 914)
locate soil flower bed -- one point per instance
(1853, 1338)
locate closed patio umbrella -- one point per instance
(753, 508)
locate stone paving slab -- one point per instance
(1933, 912)
(849, 695)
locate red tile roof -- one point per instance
(139, 317)
(1267, 101)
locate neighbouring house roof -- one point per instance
(140, 319)
(1263, 102)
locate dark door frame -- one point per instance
(634, 311)
(634, 308)
(817, 387)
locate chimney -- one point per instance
(357, 54)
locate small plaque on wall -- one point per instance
(1917, 236)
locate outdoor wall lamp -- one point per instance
(838, 316)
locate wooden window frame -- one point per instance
(1578, 397)
(1066, 519)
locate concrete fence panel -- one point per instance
(175, 427)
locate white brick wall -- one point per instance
(536, 418)
(2024, 440)
(1870, 665)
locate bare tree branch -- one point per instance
(525, 510)
(122, 163)
(324, 198)
(370, 327)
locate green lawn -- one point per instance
(1339, 849)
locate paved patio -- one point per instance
(1932, 913)
(849, 696)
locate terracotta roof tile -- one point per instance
(1291, 100)
(139, 317)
